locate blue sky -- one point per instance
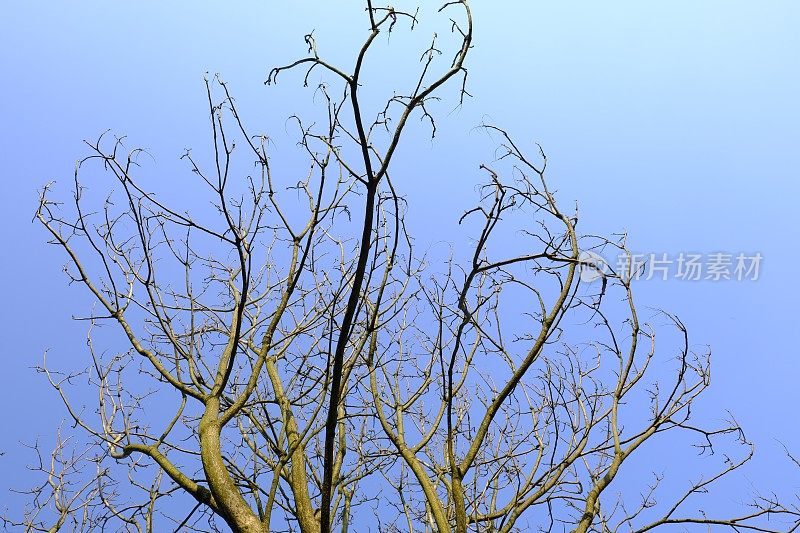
(675, 121)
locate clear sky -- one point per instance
(676, 121)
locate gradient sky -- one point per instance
(677, 121)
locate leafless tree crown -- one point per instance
(276, 371)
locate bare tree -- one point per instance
(280, 372)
